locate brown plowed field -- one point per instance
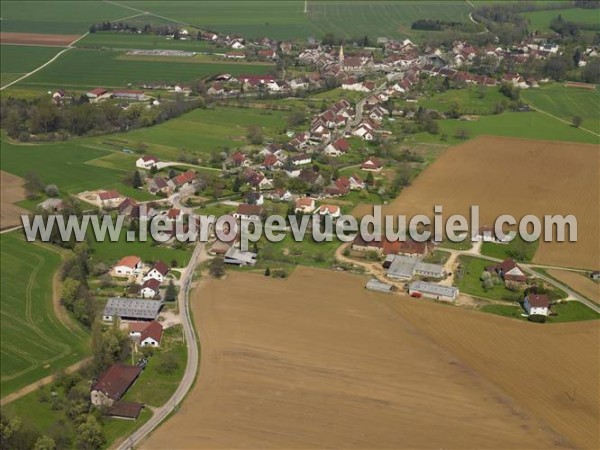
(316, 361)
(37, 39)
(517, 177)
(11, 189)
(578, 282)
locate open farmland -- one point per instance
(540, 20)
(34, 342)
(83, 69)
(342, 367)
(143, 41)
(567, 102)
(52, 40)
(579, 282)
(18, 60)
(286, 20)
(517, 177)
(61, 17)
(11, 188)
(69, 165)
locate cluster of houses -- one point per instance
(149, 284)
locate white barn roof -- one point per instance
(433, 289)
(132, 307)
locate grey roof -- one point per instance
(132, 307)
(402, 267)
(375, 285)
(243, 257)
(430, 268)
(434, 289)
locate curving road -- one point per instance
(191, 368)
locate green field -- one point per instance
(143, 41)
(472, 100)
(540, 20)
(518, 246)
(206, 130)
(287, 20)
(83, 69)
(567, 102)
(60, 17)
(527, 125)
(565, 312)
(470, 283)
(70, 165)
(34, 343)
(16, 60)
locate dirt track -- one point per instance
(11, 190)
(517, 177)
(316, 361)
(61, 40)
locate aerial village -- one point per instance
(287, 173)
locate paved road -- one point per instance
(191, 368)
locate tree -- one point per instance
(171, 292)
(297, 117)
(89, 434)
(167, 363)
(267, 272)
(255, 134)
(33, 182)
(52, 190)
(577, 121)
(370, 179)
(217, 267)
(137, 180)
(69, 291)
(44, 443)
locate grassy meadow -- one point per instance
(81, 69)
(34, 342)
(567, 102)
(540, 20)
(70, 165)
(17, 60)
(142, 41)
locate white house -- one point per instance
(364, 131)
(337, 148)
(329, 210)
(537, 304)
(301, 159)
(127, 266)
(304, 205)
(158, 272)
(150, 288)
(148, 334)
(110, 199)
(146, 162)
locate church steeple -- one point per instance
(341, 57)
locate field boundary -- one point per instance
(563, 120)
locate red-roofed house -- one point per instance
(372, 164)
(158, 272)
(146, 162)
(148, 334)
(329, 210)
(127, 266)
(337, 148)
(150, 288)
(110, 199)
(184, 179)
(537, 304)
(508, 270)
(304, 205)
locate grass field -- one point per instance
(143, 41)
(61, 17)
(17, 60)
(286, 20)
(470, 283)
(69, 165)
(567, 102)
(207, 130)
(83, 69)
(527, 125)
(110, 252)
(34, 343)
(503, 251)
(540, 20)
(470, 100)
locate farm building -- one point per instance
(158, 272)
(127, 266)
(146, 162)
(430, 270)
(150, 288)
(129, 95)
(508, 270)
(97, 93)
(432, 290)
(237, 257)
(402, 267)
(131, 308)
(536, 304)
(487, 234)
(378, 286)
(125, 410)
(110, 199)
(112, 384)
(148, 334)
